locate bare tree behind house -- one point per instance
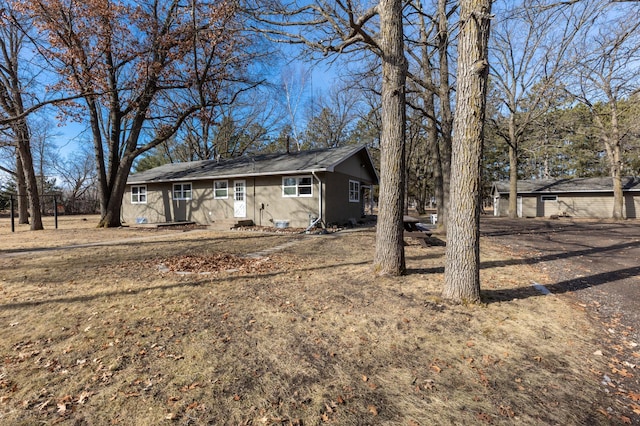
(606, 73)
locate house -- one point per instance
(297, 189)
(576, 197)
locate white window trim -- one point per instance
(139, 187)
(182, 185)
(215, 195)
(356, 191)
(548, 198)
(297, 186)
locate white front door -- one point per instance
(239, 199)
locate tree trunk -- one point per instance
(446, 114)
(24, 152)
(21, 183)
(462, 265)
(513, 166)
(616, 164)
(389, 254)
(111, 218)
(513, 182)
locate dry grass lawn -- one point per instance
(303, 335)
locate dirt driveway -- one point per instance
(598, 261)
(598, 264)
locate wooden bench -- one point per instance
(411, 230)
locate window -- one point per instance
(220, 189)
(139, 194)
(354, 191)
(297, 186)
(181, 191)
(545, 198)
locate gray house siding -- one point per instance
(571, 197)
(318, 183)
(338, 208)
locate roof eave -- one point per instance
(231, 176)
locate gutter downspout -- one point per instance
(319, 219)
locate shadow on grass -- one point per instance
(133, 292)
(499, 227)
(574, 284)
(538, 259)
(124, 242)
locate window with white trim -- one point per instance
(546, 198)
(139, 194)
(354, 191)
(181, 191)
(297, 186)
(220, 189)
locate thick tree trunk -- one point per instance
(111, 218)
(389, 254)
(24, 152)
(462, 265)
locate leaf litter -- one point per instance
(306, 335)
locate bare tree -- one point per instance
(294, 85)
(431, 51)
(13, 109)
(606, 73)
(79, 179)
(331, 118)
(462, 265)
(336, 27)
(529, 51)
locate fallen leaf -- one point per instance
(373, 410)
(634, 396)
(626, 420)
(62, 408)
(435, 368)
(83, 397)
(364, 378)
(484, 417)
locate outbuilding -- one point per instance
(574, 197)
(293, 189)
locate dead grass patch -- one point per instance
(98, 335)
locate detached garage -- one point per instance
(577, 197)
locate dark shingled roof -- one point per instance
(319, 160)
(557, 186)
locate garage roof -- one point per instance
(570, 185)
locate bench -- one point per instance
(411, 230)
